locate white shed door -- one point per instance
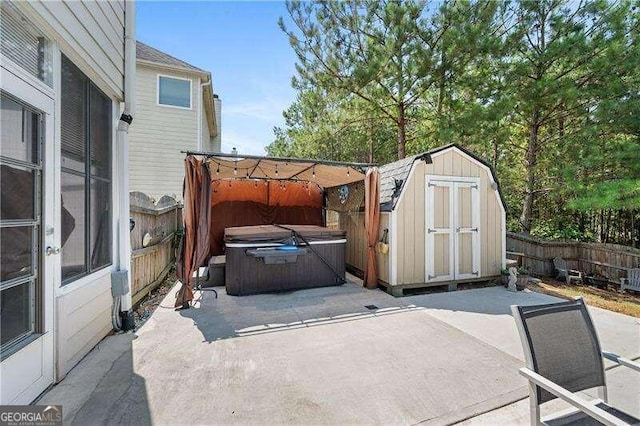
(452, 229)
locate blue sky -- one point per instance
(241, 45)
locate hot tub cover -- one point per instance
(279, 234)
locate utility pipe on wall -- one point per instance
(124, 246)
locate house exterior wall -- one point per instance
(405, 262)
(91, 35)
(159, 133)
(83, 318)
(410, 211)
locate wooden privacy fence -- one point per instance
(152, 238)
(608, 260)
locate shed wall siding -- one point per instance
(411, 217)
(90, 33)
(356, 247)
(159, 133)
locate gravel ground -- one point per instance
(152, 301)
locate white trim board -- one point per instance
(494, 186)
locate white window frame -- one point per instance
(175, 78)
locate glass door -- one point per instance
(20, 223)
(28, 263)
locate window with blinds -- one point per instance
(24, 45)
(86, 133)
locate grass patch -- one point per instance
(610, 299)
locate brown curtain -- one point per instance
(371, 224)
(194, 248)
(248, 202)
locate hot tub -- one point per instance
(269, 258)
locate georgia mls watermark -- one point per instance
(30, 415)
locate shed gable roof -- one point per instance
(389, 174)
(399, 171)
(145, 52)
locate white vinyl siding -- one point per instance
(158, 134)
(90, 33)
(84, 318)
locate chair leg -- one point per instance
(534, 408)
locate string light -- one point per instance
(347, 170)
(235, 168)
(218, 169)
(247, 173)
(276, 170)
(313, 171)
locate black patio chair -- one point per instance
(563, 356)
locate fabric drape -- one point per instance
(371, 224)
(194, 248)
(249, 202)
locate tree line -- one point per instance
(547, 91)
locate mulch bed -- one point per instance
(149, 304)
(610, 298)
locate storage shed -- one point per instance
(444, 218)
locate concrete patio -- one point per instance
(322, 357)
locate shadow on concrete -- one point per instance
(103, 388)
(228, 317)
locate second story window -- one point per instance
(173, 91)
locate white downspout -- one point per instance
(124, 249)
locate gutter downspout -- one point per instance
(124, 248)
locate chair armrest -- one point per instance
(583, 405)
(622, 361)
(577, 273)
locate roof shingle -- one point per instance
(147, 53)
(399, 171)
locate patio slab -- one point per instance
(485, 314)
(316, 356)
(312, 357)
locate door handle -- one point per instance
(467, 229)
(52, 250)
